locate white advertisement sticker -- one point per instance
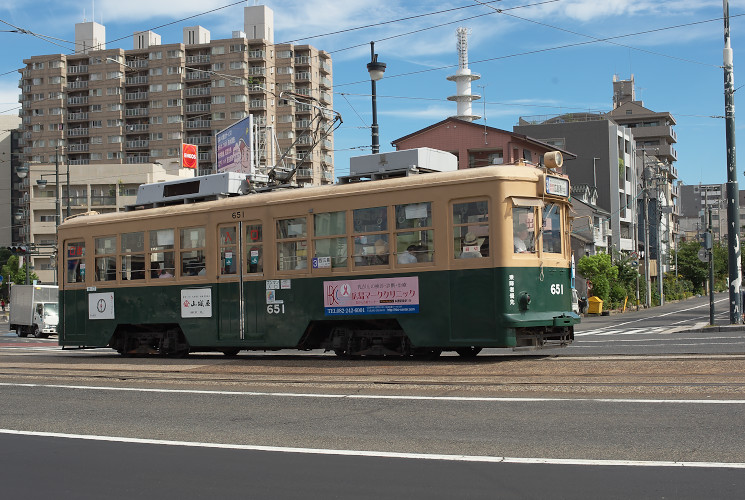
(101, 305)
(196, 303)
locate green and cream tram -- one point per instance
(417, 265)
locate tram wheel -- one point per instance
(468, 352)
(232, 351)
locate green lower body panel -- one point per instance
(443, 309)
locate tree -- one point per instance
(600, 271)
(14, 274)
(690, 267)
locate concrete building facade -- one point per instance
(605, 160)
(98, 188)
(127, 107)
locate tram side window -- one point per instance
(371, 247)
(254, 239)
(162, 258)
(192, 251)
(551, 229)
(471, 229)
(133, 256)
(105, 258)
(414, 233)
(228, 247)
(329, 231)
(523, 229)
(75, 262)
(292, 247)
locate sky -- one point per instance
(535, 58)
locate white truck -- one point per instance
(34, 309)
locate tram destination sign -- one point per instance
(373, 296)
(557, 186)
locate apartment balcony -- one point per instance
(204, 156)
(77, 148)
(200, 58)
(199, 140)
(305, 173)
(82, 161)
(136, 80)
(197, 75)
(197, 91)
(77, 100)
(191, 124)
(325, 67)
(81, 68)
(197, 108)
(138, 63)
(302, 124)
(136, 112)
(256, 54)
(76, 117)
(325, 82)
(102, 201)
(77, 132)
(129, 160)
(140, 144)
(256, 103)
(135, 96)
(327, 160)
(81, 84)
(325, 98)
(254, 87)
(327, 176)
(326, 144)
(302, 76)
(303, 108)
(302, 60)
(257, 70)
(304, 140)
(137, 127)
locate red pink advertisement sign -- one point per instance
(373, 296)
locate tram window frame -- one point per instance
(478, 230)
(292, 242)
(331, 228)
(228, 268)
(75, 264)
(555, 236)
(160, 247)
(105, 254)
(422, 251)
(370, 242)
(195, 252)
(254, 242)
(517, 222)
(129, 256)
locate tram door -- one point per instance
(229, 285)
(240, 258)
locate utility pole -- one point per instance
(733, 201)
(647, 275)
(711, 269)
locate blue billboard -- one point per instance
(235, 147)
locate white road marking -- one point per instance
(373, 396)
(384, 454)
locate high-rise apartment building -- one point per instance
(109, 105)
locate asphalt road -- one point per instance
(595, 420)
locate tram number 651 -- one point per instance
(275, 309)
(557, 289)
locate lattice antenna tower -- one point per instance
(463, 78)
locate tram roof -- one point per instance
(515, 173)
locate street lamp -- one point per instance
(18, 216)
(376, 70)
